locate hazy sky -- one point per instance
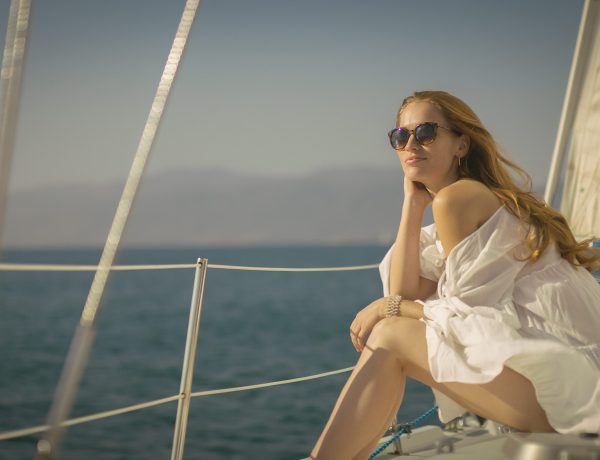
(281, 86)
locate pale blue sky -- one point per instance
(281, 86)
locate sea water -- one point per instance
(255, 327)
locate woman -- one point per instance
(493, 306)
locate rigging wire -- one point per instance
(82, 341)
(11, 76)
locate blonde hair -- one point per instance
(484, 163)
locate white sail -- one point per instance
(581, 122)
(581, 197)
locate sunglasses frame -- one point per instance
(412, 132)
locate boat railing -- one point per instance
(185, 394)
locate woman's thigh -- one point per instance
(508, 399)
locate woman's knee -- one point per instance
(391, 333)
(405, 338)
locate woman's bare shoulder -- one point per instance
(461, 208)
(464, 188)
(468, 198)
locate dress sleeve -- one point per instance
(431, 259)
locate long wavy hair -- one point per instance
(485, 163)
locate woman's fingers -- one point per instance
(416, 190)
(363, 323)
(361, 342)
(354, 338)
(358, 334)
(357, 338)
(353, 333)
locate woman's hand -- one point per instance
(364, 322)
(416, 193)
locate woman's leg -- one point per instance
(371, 446)
(509, 398)
(364, 408)
(396, 349)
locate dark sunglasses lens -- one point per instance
(425, 133)
(399, 138)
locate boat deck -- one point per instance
(431, 442)
(483, 443)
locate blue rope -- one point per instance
(406, 429)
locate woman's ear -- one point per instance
(464, 142)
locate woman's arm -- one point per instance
(458, 209)
(405, 278)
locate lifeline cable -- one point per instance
(135, 407)
(19, 267)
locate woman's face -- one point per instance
(436, 164)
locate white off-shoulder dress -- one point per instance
(492, 310)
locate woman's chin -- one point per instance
(415, 176)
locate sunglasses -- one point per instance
(425, 134)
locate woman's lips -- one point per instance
(413, 160)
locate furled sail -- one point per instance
(581, 123)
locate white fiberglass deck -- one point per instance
(483, 443)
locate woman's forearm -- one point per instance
(410, 309)
(405, 265)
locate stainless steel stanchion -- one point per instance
(189, 359)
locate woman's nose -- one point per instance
(412, 143)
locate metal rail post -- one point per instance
(189, 359)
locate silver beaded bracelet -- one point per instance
(393, 306)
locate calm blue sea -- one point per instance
(255, 327)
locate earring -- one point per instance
(459, 162)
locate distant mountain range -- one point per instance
(215, 208)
